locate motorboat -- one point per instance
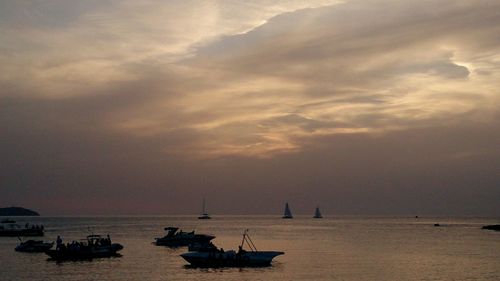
(34, 246)
(287, 214)
(241, 258)
(11, 228)
(179, 238)
(94, 246)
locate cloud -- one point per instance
(63, 49)
(410, 60)
(165, 97)
(353, 67)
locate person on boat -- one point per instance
(74, 246)
(58, 242)
(241, 251)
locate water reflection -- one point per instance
(343, 248)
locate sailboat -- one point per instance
(288, 213)
(317, 214)
(204, 215)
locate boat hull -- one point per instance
(230, 259)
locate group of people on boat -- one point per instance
(94, 246)
(78, 245)
(202, 252)
(9, 227)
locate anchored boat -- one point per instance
(32, 246)
(204, 215)
(11, 228)
(287, 214)
(317, 214)
(180, 238)
(241, 258)
(94, 246)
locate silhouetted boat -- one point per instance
(204, 215)
(11, 228)
(495, 227)
(242, 258)
(32, 246)
(93, 247)
(180, 238)
(288, 213)
(201, 247)
(317, 214)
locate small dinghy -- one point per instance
(219, 258)
(33, 246)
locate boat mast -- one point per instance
(246, 238)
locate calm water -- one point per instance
(341, 248)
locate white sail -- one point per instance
(288, 213)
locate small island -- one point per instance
(17, 211)
(495, 227)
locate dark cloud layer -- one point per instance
(365, 107)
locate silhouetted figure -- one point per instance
(240, 250)
(58, 242)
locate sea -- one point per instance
(333, 248)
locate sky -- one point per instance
(361, 107)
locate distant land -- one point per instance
(495, 227)
(17, 211)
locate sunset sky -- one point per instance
(383, 107)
